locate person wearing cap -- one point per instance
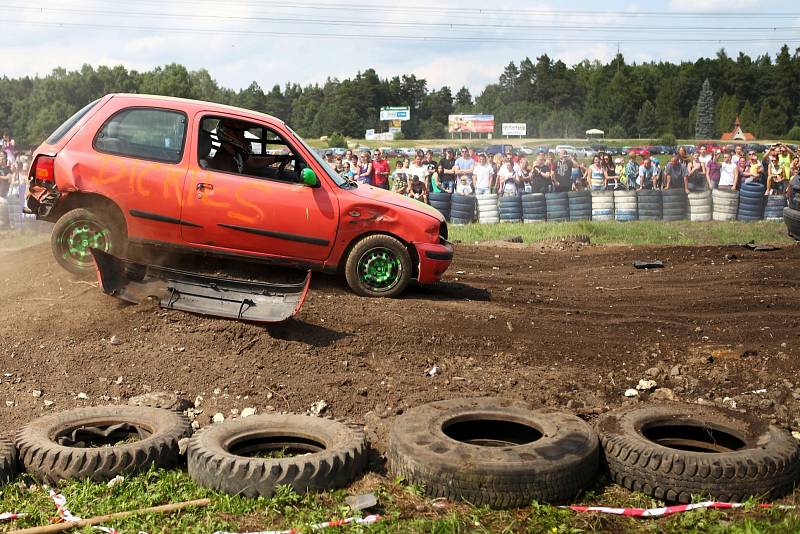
(432, 178)
(400, 177)
(417, 189)
(380, 168)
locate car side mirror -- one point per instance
(309, 177)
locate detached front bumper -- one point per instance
(434, 259)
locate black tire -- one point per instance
(792, 219)
(664, 450)
(439, 197)
(488, 457)
(441, 206)
(52, 448)
(458, 220)
(463, 201)
(223, 457)
(510, 210)
(388, 250)
(462, 214)
(81, 228)
(8, 461)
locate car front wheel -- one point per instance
(378, 266)
(80, 230)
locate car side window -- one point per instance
(144, 133)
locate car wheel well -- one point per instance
(412, 251)
(92, 201)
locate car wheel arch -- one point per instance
(91, 201)
(412, 250)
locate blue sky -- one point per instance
(448, 43)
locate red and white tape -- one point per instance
(368, 520)
(8, 516)
(668, 510)
(64, 514)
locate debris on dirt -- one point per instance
(433, 371)
(795, 434)
(37, 393)
(247, 412)
(115, 341)
(676, 370)
(631, 393)
(10, 403)
(119, 479)
(118, 381)
(161, 399)
(646, 385)
(729, 403)
(218, 418)
(82, 396)
(760, 248)
(318, 408)
(48, 403)
(183, 445)
(657, 264)
(653, 371)
(361, 502)
(514, 239)
(664, 394)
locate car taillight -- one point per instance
(45, 169)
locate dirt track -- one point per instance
(571, 326)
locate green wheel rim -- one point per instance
(79, 237)
(380, 269)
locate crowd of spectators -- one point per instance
(510, 174)
(13, 166)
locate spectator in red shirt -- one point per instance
(380, 168)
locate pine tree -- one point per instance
(646, 120)
(704, 124)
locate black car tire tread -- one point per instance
(51, 462)
(375, 241)
(769, 465)
(8, 461)
(118, 239)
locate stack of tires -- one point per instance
(15, 212)
(625, 207)
(510, 209)
(557, 205)
(441, 201)
(487, 209)
(751, 202)
(773, 211)
(534, 208)
(673, 204)
(725, 203)
(580, 205)
(700, 206)
(649, 204)
(462, 209)
(5, 222)
(602, 205)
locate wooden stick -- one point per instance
(61, 527)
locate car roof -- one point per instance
(196, 105)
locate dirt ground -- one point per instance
(565, 325)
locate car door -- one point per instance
(257, 214)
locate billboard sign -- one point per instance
(470, 123)
(395, 113)
(515, 128)
(369, 135)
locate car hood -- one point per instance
(381, 195)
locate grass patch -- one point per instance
(630, 233)
(403, 507)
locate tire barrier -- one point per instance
(773, 210)
(751, 202)
(462, 209)
(488, 212)
(580, 205)
(602, 205)
(791, 217)
(649, 204)
(510, 209)
(625, 207)
(442, 203)
(673, 204)
(534, 208)
(725, 204)
(675, 451)
(700, 206)
(557, 205)
(491, 452)
(234, 456)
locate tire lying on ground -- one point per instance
(674, 451)
(8, 461)
(792, 219)
(493, 452)
(101, 442)
(254, 456)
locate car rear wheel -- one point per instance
(80, 230)
(378, 266)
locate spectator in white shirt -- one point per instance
(483, 176)
(507, 180)
(464, 187)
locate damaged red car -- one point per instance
(135, 171)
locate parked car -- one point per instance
(638, 151)
(132, 172)
(571, 150)
(690, 149)
(491, 150)
(653, 149)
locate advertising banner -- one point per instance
(395, 113)
(470, 124)
(515, 128)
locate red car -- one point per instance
(135, 171)
(639, 151)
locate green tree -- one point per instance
(704, 124)
(771, 120)
(726, 112)
(646, 122)
(747, 117)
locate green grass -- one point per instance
(630, 233)
(403, 507)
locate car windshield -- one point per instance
(341, 182)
